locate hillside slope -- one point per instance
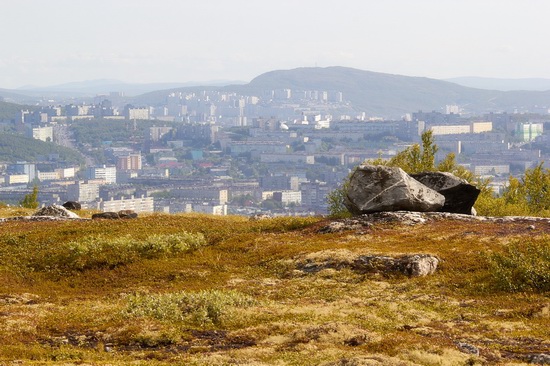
(503, 84)
(207, 290)
(8, 110)
(15, 148)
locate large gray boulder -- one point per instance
(377, 188)
(460, 195)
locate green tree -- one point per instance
(30, 200)
(336, 199)
(529, 195)
(536, 188)
(416, 158)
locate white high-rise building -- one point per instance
(107, 173)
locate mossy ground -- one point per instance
(239, 300)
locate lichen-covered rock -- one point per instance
(460, 195)
(56, 211)
(375, 188)
(413, 265)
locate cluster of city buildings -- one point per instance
(282, 151)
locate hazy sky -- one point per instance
(57, 41)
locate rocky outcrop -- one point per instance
(413, 265)
(460, 195)
(363, 224)
(56, 211)
(381, 188)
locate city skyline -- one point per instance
(171, 41)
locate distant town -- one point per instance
(279, 152)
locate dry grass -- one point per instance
(238, 298)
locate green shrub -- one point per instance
(100, 252)
(524, 266)
(30, 200)
(95, 251)
(336, 198)
(199, 308)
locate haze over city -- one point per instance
(141, 41)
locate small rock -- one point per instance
(72, 205)
(127, 214)
(106, 215)
(339, 226)
(468, 348)
(260, 216)
(531, 227)
(356, 340)
(541, 359)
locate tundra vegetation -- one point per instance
(211, 290)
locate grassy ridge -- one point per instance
(206, 290)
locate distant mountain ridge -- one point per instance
(538, 84)
(380, 94)
(105, 86)
(377, 94)
(390, 95)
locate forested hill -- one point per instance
(8, 110)
(19, 148)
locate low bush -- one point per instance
(522, 266)
(199, 308)
(98, 251)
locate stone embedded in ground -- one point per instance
(415, 265)
(460, 195)
(377, 188)
(468, 348)
(72, 205)
(106, 215)
(540, 359)
(56, 211)
(127, 214)
(122, 214)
